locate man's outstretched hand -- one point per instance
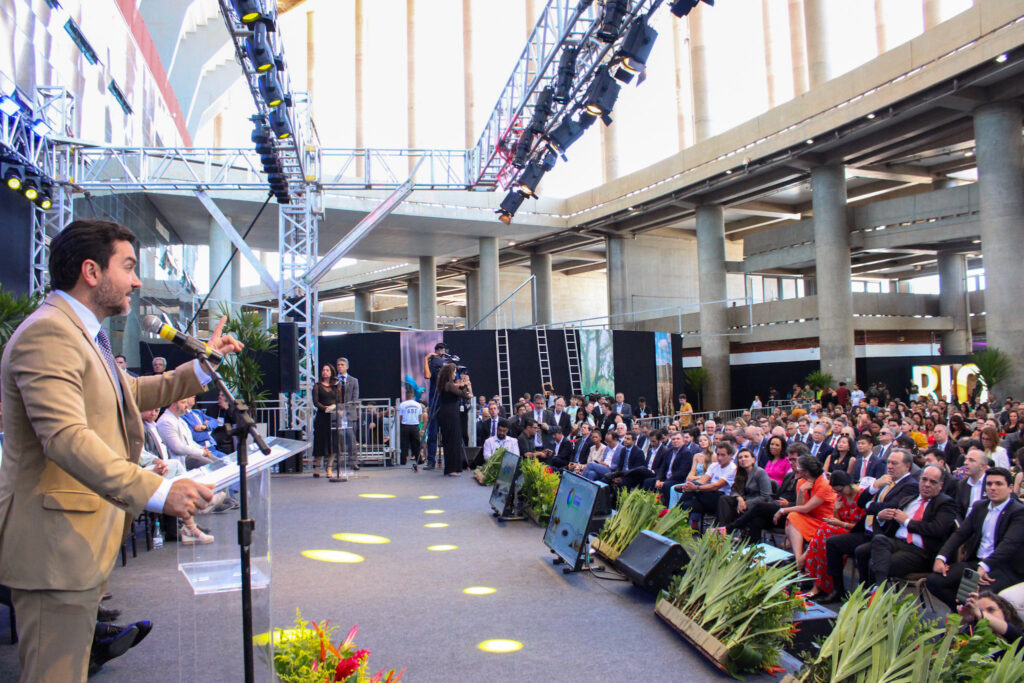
(185, 497)
(224, 343)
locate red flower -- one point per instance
(548, 470)
(349, 666)
(664, 511)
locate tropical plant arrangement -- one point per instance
(697, 379)
(993, 366)
(537, 493)
(818, 380)
(640, 510)
(305, 654)
(882, 637)
(241, 371)
(487, 473)
(745, 607)
(13, 310)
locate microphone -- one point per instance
(194, 346)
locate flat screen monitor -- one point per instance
(503, 495)
(567, 529)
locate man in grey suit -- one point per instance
(348, 417)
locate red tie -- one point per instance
(918, 515)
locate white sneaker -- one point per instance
(188, 537)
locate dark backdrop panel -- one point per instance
(758, 378)
(477, 349)
(523, 359)
(635, 374)
(16, 227)
(678, 375)
(175, 357)
(559, 362)
(374, 359)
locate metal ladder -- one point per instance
(572, 353)
(504, 369)
(542, 358)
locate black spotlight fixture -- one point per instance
(542, 110)
(12, 174)
(509, 205)
(526, 183)
(248, 11)
(566, 73)
(270, 88)
(601, 95)
(280, 123)
(30, 186)
(522, 149)
(611, 20)
(681, 8)
(45, 199)
(257, 47)
(549, 159)
(636, 48)
(569, 131)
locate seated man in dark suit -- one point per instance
(910, 534)
(675, 466)
(657, 445)
(971, 488)
(527, 439)
(561, 449)
(486, 426)
(819, 445)
(870, 465)
(993, 538)
(628, 458)
(949, 483)
(885, 492)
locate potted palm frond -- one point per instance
(993, 367)
(818, 380)
(734, 609)
(640, 510)
(241, 371)
(13, 311)
(697, 379)
(487, 473)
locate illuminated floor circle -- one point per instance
(479, 590)
(440, 548)
(435, 525)
(332, 556)
(376, 495)
(429, 497)
(499, 645)
(432, 512)
(361, 538)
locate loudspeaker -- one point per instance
(814, 624)
(288, 356)
(651, 560)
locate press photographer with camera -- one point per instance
(452, 389)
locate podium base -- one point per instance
(221, 576)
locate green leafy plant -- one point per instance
(818, 380)
(640, 510)
(993, 366)
(540, 485)
(13, 311)
(738, 600)
(697, 379)
(241, 371)
(490, 469)
(305, 654)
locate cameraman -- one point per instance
(432, 365)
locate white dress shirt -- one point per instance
(911, 510)
(493, 443)
(988, 531)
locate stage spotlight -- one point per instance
(601, 95)
(549, 160)
(611, 20)
(280, 123)
(568, 132)
(542, 110)
(526, 183)
(522, 149)
(29, 189)
(509, 205)
(279, 180)
(681, 8)
(9, 105)
(270, 88)
(257, 47)
(44, 201)
(636, 48)
(282, 198)
(566, 73)
(12, 175)
(41, 128)
(248, 10)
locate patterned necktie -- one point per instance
(103, 342)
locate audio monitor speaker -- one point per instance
(288, 356)
(651, 560)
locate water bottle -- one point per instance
(158, 536)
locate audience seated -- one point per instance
(815, 502)
(844, 517)
(177, 437)
(750, 487)
(702, 492)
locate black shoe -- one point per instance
(415, 468)
(106, 647)
(106, 614)
(355, 467)
(107, 631)
(316, 475)
(429, 466)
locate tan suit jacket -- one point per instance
(70, 472)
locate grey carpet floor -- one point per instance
(406, 599)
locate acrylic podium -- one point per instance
(210, 617)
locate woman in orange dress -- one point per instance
(847, 514)
(803, 521)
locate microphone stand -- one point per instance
(244, 427)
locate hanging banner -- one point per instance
(597, 365)
(663, 371)
(415, 347)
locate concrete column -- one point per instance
(798, 46)
(953, 302)
(618, 281)
(236, 282)
(699, 75)
(932, 13)
(132, 333)
(428, 293)
(311, 59)
(832, 264)
(467, 65)
(358, 86)
(489, 285)
(819, 58)
(363, 308)
(903, 287)
(540, 268)
(881, 40)
(472, 297)
(997, 136)
(410, 78)
(714, 321)
(609, 153)
(220, 252)
(684, 85)
(770, 51)
(412, 304)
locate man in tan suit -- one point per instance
(69, 481)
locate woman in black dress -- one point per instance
(452, 392)
(325, 396)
